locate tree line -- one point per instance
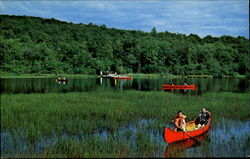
(38, 45)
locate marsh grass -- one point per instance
(227, 138)
(29, 118)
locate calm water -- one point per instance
(49, 85)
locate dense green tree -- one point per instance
(37, 45)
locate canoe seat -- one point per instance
(190, 126)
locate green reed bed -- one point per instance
(32, 117)
(87, 111)
(97, 147)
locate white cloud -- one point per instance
(198, 17)
(2, 6)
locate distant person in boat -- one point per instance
(203, 118)
(179, 121)
(185, 84)
(172, 83)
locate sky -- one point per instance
(201, 17)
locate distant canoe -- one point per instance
(108, 76)
(168, 88)
(122, 77)
(62, 80)
(178, 86)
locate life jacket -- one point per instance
(204, 116)
(179, 121)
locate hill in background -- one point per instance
(37, 45)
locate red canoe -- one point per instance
(122, 77)
(178, 86)
(167, 88)
(173, 136)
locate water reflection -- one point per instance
(49, 85)
(61, 82)
(177, 149)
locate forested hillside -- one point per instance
(37, 45)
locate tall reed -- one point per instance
(33, 117)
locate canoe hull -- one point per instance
(169, 88)
(62, 80)
(171, 136)
(178, 86)
(128, 78)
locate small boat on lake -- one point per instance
(62, 80)
(171, 136)
(179, 86)
(108, 76)
(122, 77)
(111, 74)
(169, 88)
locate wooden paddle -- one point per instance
(188, 134)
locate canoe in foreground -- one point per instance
(173, 136)
(178, 86)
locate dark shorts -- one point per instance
(178, 129)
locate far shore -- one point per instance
(137, 75)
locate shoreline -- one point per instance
(137, 75)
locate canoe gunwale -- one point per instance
(177, 86)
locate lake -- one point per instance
(49, 85)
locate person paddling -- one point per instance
(179, 121)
